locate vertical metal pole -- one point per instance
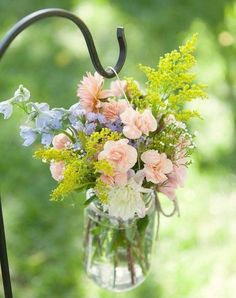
(3, 258)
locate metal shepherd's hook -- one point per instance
(107, 73)
(54, 12)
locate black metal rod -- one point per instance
(55, 12)
(3, 258)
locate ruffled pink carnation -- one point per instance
(156, 166)
(61, 141)
(118, 178)
(137, 124)
(175, 179)
(118, 88)
(120, 155)
(112, 110)
(90, 92)
(57, 170)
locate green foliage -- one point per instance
(170, 139)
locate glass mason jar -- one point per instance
(117, 253)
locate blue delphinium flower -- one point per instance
(75, 113)
(46, 139)
(6, 108)
(28, 134)
(46, 119)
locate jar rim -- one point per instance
(104, 214)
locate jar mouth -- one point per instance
(96, 212)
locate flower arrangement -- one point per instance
(124, 142)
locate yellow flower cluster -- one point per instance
(135, 94)
(172, 84)
(96, 141)
(50, 154)
(101, 190)
(75, 177)
(103, 166)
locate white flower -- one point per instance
(22, 94)
(126, 201)
(6, 108)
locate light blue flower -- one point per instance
(28, 134)
(21, 94)
(6, 108)
(75, 112)
(46, 139)
(46, 119)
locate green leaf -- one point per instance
(90, 200)
(142, 224)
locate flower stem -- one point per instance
(130, 262)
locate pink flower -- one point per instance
(168, 188)
(118, 88)
(57, 170)
(112, 110)
(90, 92)
(176, 178)
(180, 174)
(156, 166)
(61, 141)
(121, 155)
(136, 123)
(119, 179)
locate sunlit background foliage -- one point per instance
(195, 256)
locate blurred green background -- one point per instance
(196, 253)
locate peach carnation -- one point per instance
(118, 88)
(61, 141)
(176, 178)
(118, 178)
(57, 170)
(90, 92)
(120, 155)
(156, 166)
(112, 110)
(137, 124)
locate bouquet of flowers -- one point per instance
(125, 145)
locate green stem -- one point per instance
(130, 262)
(115, 265)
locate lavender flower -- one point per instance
(78, 126)
(6, 108)
(89, 128)
(91, 117)
(115, 126)
(101, 119)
